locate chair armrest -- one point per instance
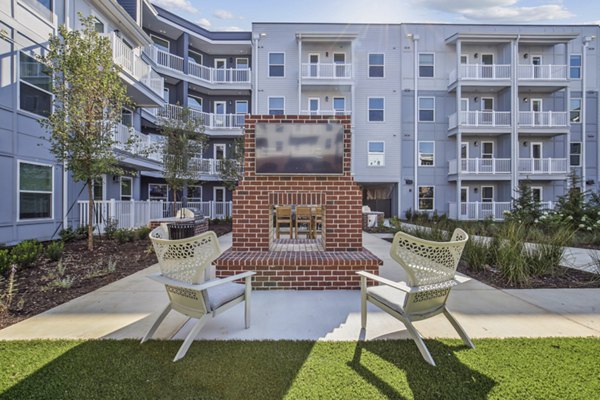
(203, 286)
(396, 285)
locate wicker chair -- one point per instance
(184, 266)
(431, 267)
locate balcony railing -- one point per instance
(126, 58)
(542, 72)
(480, 119)
(128, 139)
(481, 72)
(208, 166)
(206, 74)
(326, 71)
(543, 165)
(325, 112)
(496, 210)
(480, 166)
(208, 120)
(547, 119)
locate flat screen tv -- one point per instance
(299, 149)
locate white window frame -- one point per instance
(38, 11)
(466, 56)
(201, 193)
(98, 19)
(481, 153)
(19, 191)
(481, 193)
(466, 147)
(369, 65)
(578, 67)
(242, 58)
(375, 109)
(343, 112)
(239, 102)
(375, 153)
(121, 179)
(215, 188)
(425, 65)
(541, 189)
(197, 53)
(269, 104)
(103, 180)
(420, 153)
(318, 110)
(218, 60)
(163, 39)
(419, 198)
(158, 198)
(571, 110)
(532, 145)
(219, 146)
(577, 154)
(199, 100)
(269, 64)
(31, 113)
(488, 54)
(419, 108)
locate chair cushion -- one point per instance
(224, 293)
(393, 298)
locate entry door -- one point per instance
(313, 106)
(219, 204)
(220, 70)
(218, 155)
(536, 156)
(487, 111)
(536, 194)
(463, 115)
(537, 68)
(339, 59)
(487, 69)
(464, 155)
(487, 202)
(487, 155)
(464, 200)
(313, 68)
(219, 113)
(536, 111)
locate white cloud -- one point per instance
(171, 5)
(232, 29)
(205, 23)
(224, 14)
(499, 10)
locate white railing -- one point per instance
(543, 72)
(543, 118)
(207, 74)
(136, 213)
(128, 139)
(481, 71)
(326, 71)
(208, 166)
(480, 119)
(325, 112)
(543, 165)
(477, 210)
(132, 63)
(480, 166)
(208, 120)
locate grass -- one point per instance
(551, 368)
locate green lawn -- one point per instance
(556, 368)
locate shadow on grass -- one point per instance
(450, 379)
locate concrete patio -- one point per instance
(126, 308)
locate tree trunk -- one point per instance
(90, 215)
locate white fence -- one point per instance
(484, 118)
(480, 166)
(326, 71)
(483, 71)
(543, 72)
(543, 118)
(543, 165)
(477, 210)
(135, 213)
(208, 120)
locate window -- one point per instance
(575, 111)
(426, 63)
(98, 189)
(242, 63)
(426, 154)
(195, 57)
(575, 66)
(276, 105)
(98, 25)
(575, 154)
(195, 102)
(339, 105)
(487, 194)
(376, 154)
(36, 185)
(426, 109)
(156, 191)
(376, 65)
(126, 188)
(194, 193)
(127, 117)
(376, 109)
(241, 109)
(166, 95)
(161, 43)
(34, 88)
(537, 194)
(44, 7)
(276, 64)
(426, 197)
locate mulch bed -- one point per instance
(37, 289)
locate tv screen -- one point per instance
(299, 149)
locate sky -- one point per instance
(236, 15)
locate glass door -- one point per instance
(536, 157)
(219, 113)
(313, 65)
(220, 70)
(487, 68)
(313, 106)
(536, 61)
(339, 59)
(464, 200)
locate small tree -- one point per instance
(231, 170)
(88, 98)
(572, 205)
(185, 140)
(525, 209)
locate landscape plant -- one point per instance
(26, 253)
(54, 250)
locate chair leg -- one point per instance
(190, 337)
(461, 332)
(158, 321)
(363, 302)
(247, 301)
(416, 336)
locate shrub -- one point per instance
(68, 235)
(545, 256)
(142, 233)
(54, 250)
(509, 253)
(6, 260)
(26, 253)
(476, 254)
(124, 235)
(111, 227)
(409, 214)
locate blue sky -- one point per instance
(239, 14)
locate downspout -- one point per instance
(65, 177)
(415, 39)
(299, 38)
(586, 42)
(515, 118)
(458, 132)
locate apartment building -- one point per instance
(447, 118)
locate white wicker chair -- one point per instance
(184, 271)
(431, 267)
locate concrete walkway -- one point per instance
(126, 309)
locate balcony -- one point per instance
(326, 71)
(543, 166)
(480, 166)
(144, 85)
(481, 75)
(230, 78)
(495, 210)
(215, 124)
(209, 167)
(481, 121)
(145, 151)
(545, 123)
(542, 72)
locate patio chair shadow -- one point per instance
(449, 379)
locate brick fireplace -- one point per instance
(341, 201)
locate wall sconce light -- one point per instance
(476, 55)
(525, 99)
(524, 144)
(326, 99)
(525, 55)
(475, 143)
(326, 54)
(475, 99)
(475, 190)
(408, 181)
